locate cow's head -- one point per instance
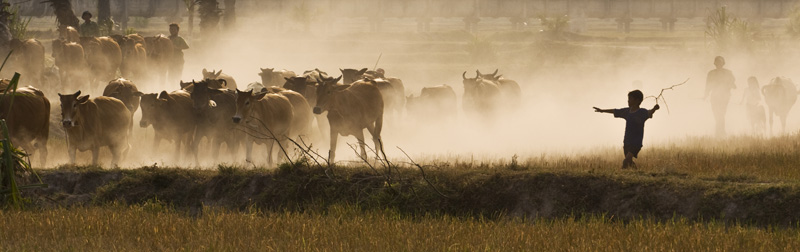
(244, 103)
(470, 83)
(201, 96)
(58, 48)
(70, 104)
(149, 107)
(297, 84)
(350, 75)
(491, 76)
(212, 74)
(327, 89)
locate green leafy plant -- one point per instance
(728, 32)
(17, 24)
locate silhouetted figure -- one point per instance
(89, 28)
(752, 102)
(634, 125)
(178, 44)
(719, 84)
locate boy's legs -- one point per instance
(630, 153)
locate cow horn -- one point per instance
(464, 75)
(495, 72)
(478, 71)
(262, 69)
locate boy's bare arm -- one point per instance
(599, 110)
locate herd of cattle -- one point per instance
(283, 106)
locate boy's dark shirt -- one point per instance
(634, 125)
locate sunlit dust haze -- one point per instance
(561, 80)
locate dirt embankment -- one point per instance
(491, 194)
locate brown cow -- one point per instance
(104, 57)
(309, 91)
(94, 123)
(392, 89)
(433, 103)
(125, 91)
(301, 124)
(213, 109)
(230, 83)
(69, 34)
(351, 108)
(780, 96)
(134, 55)
(509, 89)
(28, 120)
(71, 62)
(481, 97)
(275, 78)
(29, 57)
(159, 54)
(171, 115)
(266, 118)
(303, 116)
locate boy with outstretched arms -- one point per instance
(634, 125)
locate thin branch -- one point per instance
(661, 94)
(424, 177)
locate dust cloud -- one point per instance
(560, 80)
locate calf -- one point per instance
(351, 109)
(266, 118)
(94, 123)
(171, 115)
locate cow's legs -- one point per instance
(42, 152)
(116, 154)
(96, 155)
(332, 152)
(360, 137)
(284, 143)
(376, 138)
(71, 151)
(270, 143)
(248, 150)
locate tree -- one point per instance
(209, 17)
(104, 16)
(230, 14)
(64, 13)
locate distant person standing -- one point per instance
(178, 45)
(719, 84)
(89, 28)
(752, 102)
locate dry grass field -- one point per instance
(156, 228)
